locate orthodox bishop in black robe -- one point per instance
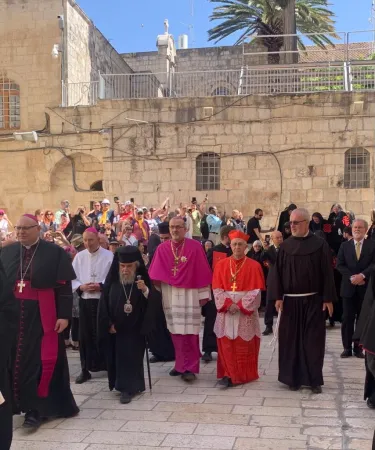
(303, 277)
(41, 276)
(365, 333)
(8, 325)
(125, 316)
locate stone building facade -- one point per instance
(248, 152)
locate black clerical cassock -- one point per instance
(8, 325)
(132, 314)
(303, 277)
(43, 291)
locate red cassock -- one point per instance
(238, 335)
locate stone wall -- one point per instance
(28, 31)
(274, 150)
(199, 59)
(88, 51)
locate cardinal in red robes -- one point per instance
(237, 285)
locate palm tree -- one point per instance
(266, 18)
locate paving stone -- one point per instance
(90, 387)
(122, 447)
(115, 404)
(247, 401)
(40, 445)
(282, 433)
(267, 411)
(227, 430)
(199, 442)
(194, 407)
(125, 438)
(272, 421)
(215, 391)
(230, 419)
(80, 399)
(360, 444)
(118, 414)
(175, 398)
(282, 402)
(323, 431)
(77, 423)
(320, 413)
(51, 435)
(268, 444)
(325, 443)
(160, 427)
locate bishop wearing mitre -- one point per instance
(237, 285)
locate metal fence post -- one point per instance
(63, 94)
(348, 87)
(101, 87)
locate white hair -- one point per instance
(257, 243)
(302, 212)
(363, 221)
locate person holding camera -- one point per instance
(48, 223)
(80, 221)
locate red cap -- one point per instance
(237, 234)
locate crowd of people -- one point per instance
(116, 281)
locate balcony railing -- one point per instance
(259, 80)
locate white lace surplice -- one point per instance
(239, 324)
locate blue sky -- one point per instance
(132, 25)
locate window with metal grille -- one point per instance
(208, 172)
(220, 91)
(357, 168)
(9, 105)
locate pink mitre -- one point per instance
(91, 230)
(32, 217)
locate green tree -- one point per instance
(266, 18)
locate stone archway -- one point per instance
(76, 185)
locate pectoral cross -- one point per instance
(174, 270)
(20, 286)
(234, 286)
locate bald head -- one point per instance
(299, 222)
(277, 238)
(28, 230)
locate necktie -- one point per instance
(358, 250)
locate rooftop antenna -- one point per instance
(190, 25)
(372, 21)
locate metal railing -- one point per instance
(80, 94)
(260, 80)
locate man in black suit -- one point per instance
(270, 258)
(356, 263)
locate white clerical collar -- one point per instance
(27, 247)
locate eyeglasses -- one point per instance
(24, 228)
(296, 222)
(48, 214)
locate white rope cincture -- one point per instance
(275, 339)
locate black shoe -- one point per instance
(358, 353)
(316, 389)
(188, 376)
(174, 373)
(154, 359)
(32, 420)
(267, 331)
(125, 398)
(225, 382)
(331, 323)
(84, 376)
(294, 388)
(346, 353)
(207, 357)
(370, 403)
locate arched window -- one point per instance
(357, 168)
(9, 105)
(97, 186)
(208, 172)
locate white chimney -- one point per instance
(183, 41)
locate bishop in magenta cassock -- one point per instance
(181, 270)
(237, 285)
(41, 274)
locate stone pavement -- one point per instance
(258, 416)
